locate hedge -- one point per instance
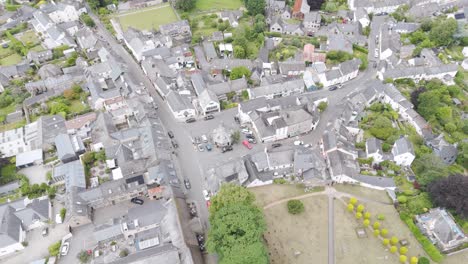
(430, 249)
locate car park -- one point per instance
(226, 149)
(247, 144)
(170, 134)
(187, 184)
(190, 120)
(136, 200)
(333, 88)
(200, 147)
(276, 145)
(209, 117)
(65, 248)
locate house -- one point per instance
(208, 102)
(309, 164)
(311, 22)
(81, 125)
(276, 6)
(86, 39)
(277, 25)
(376, 7)
(41, 22)
(310, 56)
(374, 150)
(229, 172)
(29, 158)
(39, 57)
(232, 17)
(405, 27)
(291, 68)
(441, 72)
(360, 15)
(24, 139)
(210, 51)
(440, 227)
(292, 29)
(68, 147)
(441, 148)
(389, 42)
(223, 89)
(291, 87)
(403, 152)
(18, 217)
(177, 30)
(221, 136)
(340, 43)
(180, 105)
(60, 12)
(300, 8)
(340, 74)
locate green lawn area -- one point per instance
(37, 48)
(7, 173)
(5, 52)
(455, 52)
(77, 107)
(10, 60)
(11, 126)
(217, 4)
(8, 109)
(147, 19)
(29, 37)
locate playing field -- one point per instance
(217, 4)
(149, 18)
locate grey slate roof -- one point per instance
(72, 173)
(382, 182)
(64, 147)
(198, 83)
(402, 146)
(373, 145)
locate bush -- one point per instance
(295, 207)
(403, 250)
(430, 249)
(280, 181)
(384, 232)
(423, 260)
(83, 256)
(63, 212)
(381, 217)
(322, 106)
(123, 253)
(402, 199)
(54, 249)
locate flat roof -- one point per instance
(28, 157)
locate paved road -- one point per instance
(191, 168)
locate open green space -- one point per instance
(10, 60)
(147, 19)
(29, 38)
(217, 4)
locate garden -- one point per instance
(147, 19)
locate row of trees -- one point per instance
(237, 227)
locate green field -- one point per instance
(29, 37)
(147, 19)
(10, 60)
(217, 4)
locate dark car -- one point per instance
(333, 88)
(187, 184)
(190, 120)
(137, 201)
(201, 242)
(226, 148)
(276, 145)
(249, 136)
(174, 144)
(209, 117)
(170, 134)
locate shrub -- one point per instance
(366, 222)
(403, 250)
(394, 240)
(384, 232)
(63, 212)
(423, 260)
(367, 215)
(376, 225)
(279, 181)
(393, 249)
(380, 217)
(352, 201)
(414, 260)
(295, 207)
(376, 232)
(403, 259)
(83, 256)
(350, 207)
(358, 215)
(360, 208)
(54, 249)
(385, 242)
(402, 199)
(123, 253)
(322, 106)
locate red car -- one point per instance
(247, 144)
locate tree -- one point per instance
(239, 52)
(353, 201)
(420, 203)
(367, 215)
(403, 259)
(426, 24)
(239, 72)
(423, 260)
(394, 240)
(385, 242)
(429, 168)
(382, 128)
(185, 5)
(358, 215)
(235, 137)
(442, 32)
(255, 6)
(230, 194)
(322, 106)
(451, 193)
(58, 108)
(63, 212)
(415, 96)
(403, 250)
(123, 253)
(338, 56)
(69, 94)
(87, 20)
(83, 256)
(54, 249)
(402, 199)
(376, 225)
(414, 260)
(366, 222)
(350, 207)
(376, 232)
(295, 206)
(384, 232)
(393, 249)
(360, 208)
(240, 253)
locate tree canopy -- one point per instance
(429, 168)
(255, 6)
(451, 192)
(239, 72)
(184, 5)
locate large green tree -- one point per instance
(230, 194)
(255, 6)
(382, 128)
(442, 32)
(429, 168)
(238, 72)
(184, 5)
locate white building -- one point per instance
(180, 105)
(64, 13)
(340, 74)
(374, 150)
(208, 102)
(403, 153)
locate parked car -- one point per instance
(376, 53)
(246, 131)
(252, 140)
(226, 148)
(249, 136)
(174, 144)
(247, 144)
(204, 138)
(333, 88)
(209, 117)
(206, 194)
(190, 120)
(45, 231)
(197, 140)
(136, 200)
(65, 248)
(170, 134)
(187, 184)
(208, 147)
(276, 145)
(298, 143)
(200, 147)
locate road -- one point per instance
(191, 168)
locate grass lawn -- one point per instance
(11, 60)
(8, 109)
(147, 19)
(38, 47)
(29, 37)
(358, 191)
(217, 4)
(270, 193)
(77, 107)
(306, 233)
(5, 52)
(7, 173)
(12, 125)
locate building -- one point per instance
(340, 74)
(208, 102)
(374, 150)
(39, 57)
(441, 148)
(69, 147)
(176, 30)
(310, 56)
(403, 152)
(287, 88)
(225, 89)
(29, 158)
(221, 136)
(180, 105)
(440, 227)
(311, 22)
(441, 72)
(60, 12)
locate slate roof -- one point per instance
(373, 145)
(64, 147)
(72, 173)
(383, 182)
(402, 146)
